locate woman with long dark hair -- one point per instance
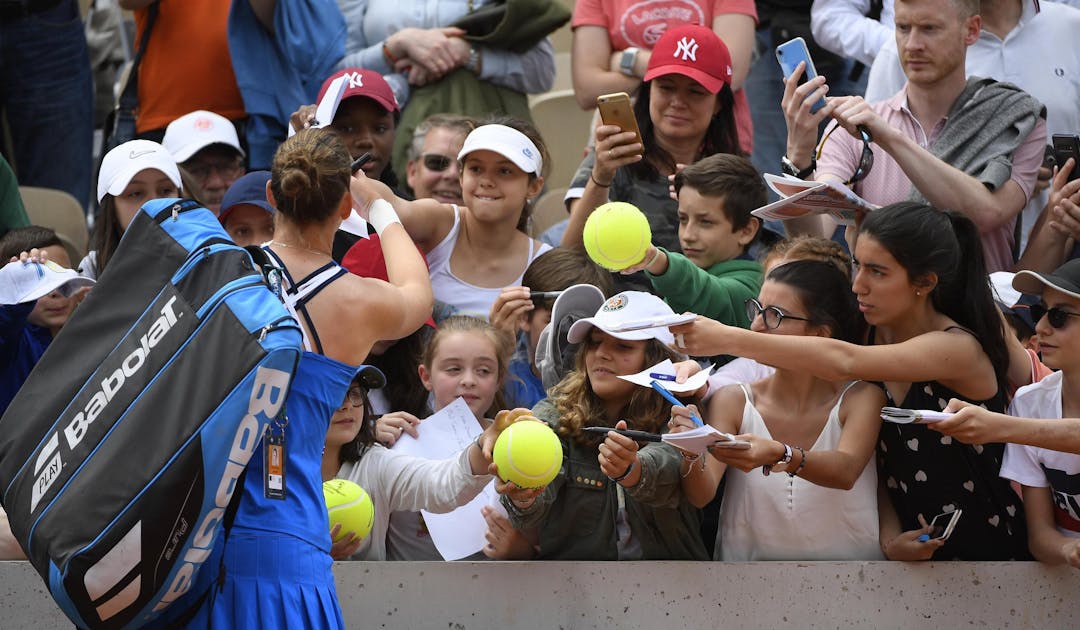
(684, 111)
(934, 334)
(823, 432)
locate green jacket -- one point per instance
(577, 511)
(12, 213)
(719, 292)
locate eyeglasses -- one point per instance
(436, 162)
(354, 397)
(227, 170)
(866, 162)
(1057, 317)
(771, 315)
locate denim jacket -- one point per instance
(576, 514)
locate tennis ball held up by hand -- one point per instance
(617, 235)
(528, 453)
(349, 506)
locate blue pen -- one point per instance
(662, 377)
(675, 401)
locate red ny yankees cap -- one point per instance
(693, 51)
(361, 82)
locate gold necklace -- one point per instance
(306, 249)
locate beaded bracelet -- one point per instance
(801, 464)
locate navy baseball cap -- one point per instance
(249, 189)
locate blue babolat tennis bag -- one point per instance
(121, 453)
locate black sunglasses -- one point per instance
(1057, 317)
(771, 315)
(436, 162)
(866, 161)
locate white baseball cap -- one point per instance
(22, 282)
(507, 142)
(191, 133)
(126, 160)
(628, 306)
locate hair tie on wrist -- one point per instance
(593, 178)
(625, 474)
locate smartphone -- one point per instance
(615, 109)
(789, 54)
(942, 526)
(1067, 146)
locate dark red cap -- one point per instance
(360, 82)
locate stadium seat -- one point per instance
(548, 210)
(565, 128)
(60, 211)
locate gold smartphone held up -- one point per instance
(615, 109)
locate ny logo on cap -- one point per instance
(355, 79)
(687, 49)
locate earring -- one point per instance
(918, 293)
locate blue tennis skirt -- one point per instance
(271, 581)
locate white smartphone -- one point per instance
(942, 526)
(789, 54)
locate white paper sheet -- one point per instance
(699, 439)
(665, 367)
(327, 107)
(459, 533)
(442, 434)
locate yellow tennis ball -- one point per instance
(528, 453)
(617, 235)
(349, 506)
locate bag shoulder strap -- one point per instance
(129, 97)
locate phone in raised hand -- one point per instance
(615, 109)
(789, 54)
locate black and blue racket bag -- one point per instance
(121, 453)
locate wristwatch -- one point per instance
(789, 168)
(626, 62)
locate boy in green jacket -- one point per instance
(714, 275)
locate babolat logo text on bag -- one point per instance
(150, 343)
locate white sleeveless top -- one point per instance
(788, 518)
(462, 297)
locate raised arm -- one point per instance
(953, 358)
(614, 148)
(738, 32)
(944, 185)
(591, 67)
(843, 27)
(426, 221)
(974, 425)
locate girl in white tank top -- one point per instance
(806, 489)
(477, 249)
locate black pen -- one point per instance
(359, 162)
(637, 436)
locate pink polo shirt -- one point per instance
(887, 183)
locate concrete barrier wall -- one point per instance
(664, 595)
